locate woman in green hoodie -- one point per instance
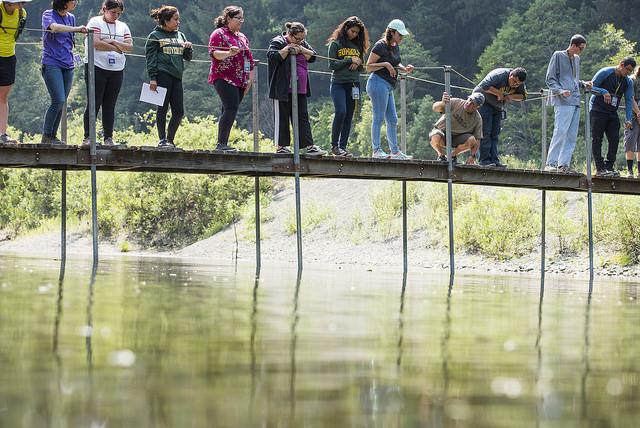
(347, 45)
(166, 50)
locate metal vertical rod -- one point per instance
(543, 162)
(588, 149)
(403, 146)
(296, 152)
(91, 95)
(405, 250)
(256, 148)
(63, 198)
(447, 112)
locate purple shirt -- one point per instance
(302, 71)
(58, 47)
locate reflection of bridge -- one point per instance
(152, 159)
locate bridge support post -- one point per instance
(255, 110)
(63, 198)
(403, 144)
(587, 143)
(91, 95)
(447, 88)
(543, 162)
(296, 152)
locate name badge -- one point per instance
(77, 60)
(247, 66)
(614, 101)
(111, 57)
(355, 93)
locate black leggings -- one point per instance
(231, 97)
(108, 84)
(173, 98)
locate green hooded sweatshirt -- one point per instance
(164, 52)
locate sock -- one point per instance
(630, 165)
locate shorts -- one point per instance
(632, 138)
(7, 70)
(456, 140)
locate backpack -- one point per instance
(22, 22)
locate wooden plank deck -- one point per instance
(153, 159)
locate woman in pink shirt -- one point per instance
(231, 69)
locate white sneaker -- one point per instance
(400, 156)
(551, 168)
(380, 154)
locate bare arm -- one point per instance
(60, 28)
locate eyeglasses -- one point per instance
(298, 39)
(239, 18)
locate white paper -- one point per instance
(153, 97)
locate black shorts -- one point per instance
(7, 70)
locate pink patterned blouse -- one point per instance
(235, 69)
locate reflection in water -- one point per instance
(209, 347)
(585, 354)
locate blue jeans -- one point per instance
(58, 81)
(384, 106)
(491, 120)
(344, 105)
(565, 135)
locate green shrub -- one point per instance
(312, 215)
(616, 224)
(499, 226)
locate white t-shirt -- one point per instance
(109, 60)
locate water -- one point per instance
(154, 343)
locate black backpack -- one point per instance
(22, 22)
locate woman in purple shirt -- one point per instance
(58, 62)
(231, 69)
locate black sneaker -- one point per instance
(5, 139)
(337, 151)
(454, 160)
(226, 148)
(283, 150)
(500, 165)
(488, 165)
(346, 153)
(603, 173)
(314, 150)
(48, 139)
(614, 173)
(108, 142)
(166, 144)
(442, 158)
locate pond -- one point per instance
(166, 343)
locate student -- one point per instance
(12, 21)
(111, 40)
(231, 71)
(632, 136)
(610, 86)
(499, 87)
(58, 62)
(347, 45)
(382, 62)
(563, 80)
(466, 127)
(293, 42)
(166, 50)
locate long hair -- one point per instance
(163, 14)
(637, 73)
(59, 5)
(340, 34)
(226, 15)
(387, 36)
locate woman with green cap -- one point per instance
(384, 63)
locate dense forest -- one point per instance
(473, 36)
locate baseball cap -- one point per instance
(477, 98)
(398, 25)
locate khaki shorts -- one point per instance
(456, 140)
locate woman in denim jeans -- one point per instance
(347, 45)
(382, 62)
(58, 62)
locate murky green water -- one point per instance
(154, 343)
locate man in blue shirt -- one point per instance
(499, 87)
(610, 85)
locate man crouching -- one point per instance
(466, 127)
